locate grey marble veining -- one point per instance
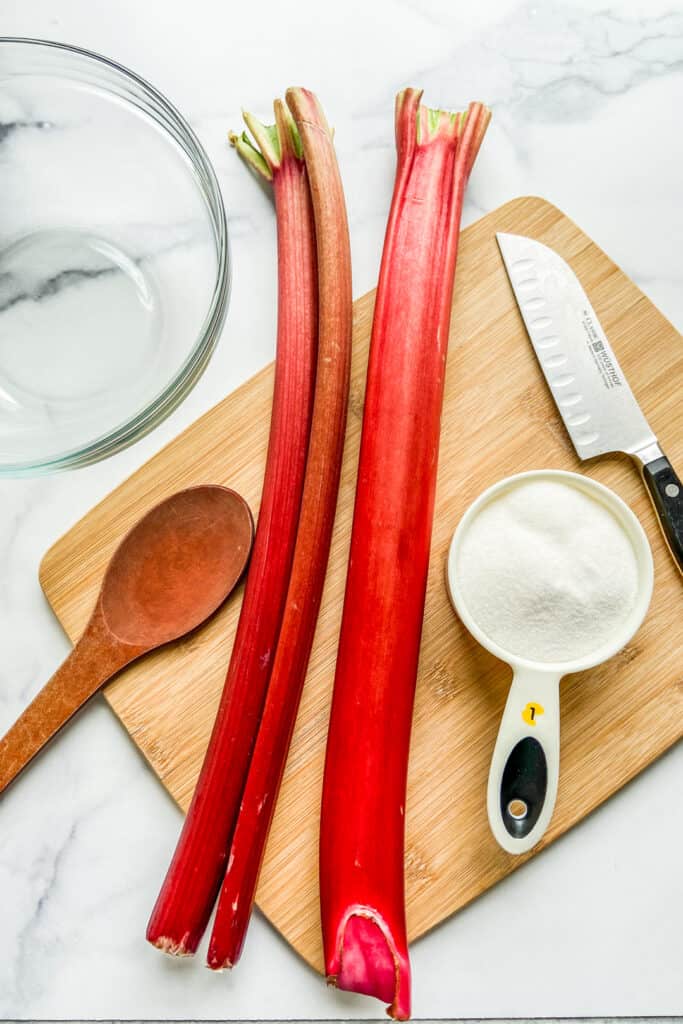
(587, 100)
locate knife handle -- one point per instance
(666, 493)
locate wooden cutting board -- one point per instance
(498, 419)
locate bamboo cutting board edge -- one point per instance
(83, 553)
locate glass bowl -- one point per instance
(114, 264)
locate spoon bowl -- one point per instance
(176, 566)
(168, 575)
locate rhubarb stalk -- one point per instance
(362, 824)
(196, 871)
(318, 505)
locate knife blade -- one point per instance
(592, 395)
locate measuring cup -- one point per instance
(523, 778)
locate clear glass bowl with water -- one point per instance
(114, 267)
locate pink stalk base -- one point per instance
(362, 822)
(368, 965)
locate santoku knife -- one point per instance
(591, 393)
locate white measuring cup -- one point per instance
(523, 779)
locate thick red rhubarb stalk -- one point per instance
(187, 897)
(362, 826)
(313, 539)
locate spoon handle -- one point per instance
(94, 659)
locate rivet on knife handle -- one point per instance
(666, 492)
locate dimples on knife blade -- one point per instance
(592, 395)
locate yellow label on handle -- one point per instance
(531, 712)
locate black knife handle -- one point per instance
(666, 492)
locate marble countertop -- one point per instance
(587, 106)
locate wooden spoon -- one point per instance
(169, 574)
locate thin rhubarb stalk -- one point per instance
(318, 505)
(362, 824)
(196, 871)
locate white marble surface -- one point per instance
(587, 106)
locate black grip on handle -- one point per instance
(523, 787)
(666, 491)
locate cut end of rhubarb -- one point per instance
(368, 961)
(421, 124)
(225, 945)
(171, 946)
(275, 143)
(250, 154)
(216, 964)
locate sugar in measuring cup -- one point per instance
(552, 573)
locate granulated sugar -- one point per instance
(547, 571)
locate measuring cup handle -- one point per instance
(524, 771)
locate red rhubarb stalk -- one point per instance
(362, 825)
(318, 505)
(196, 872)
